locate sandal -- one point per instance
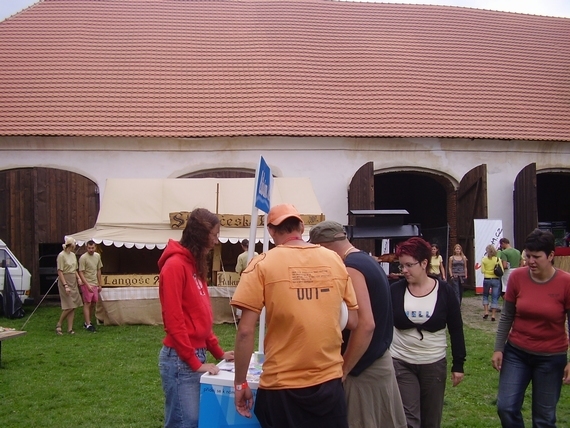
(485, 316)
(58, 330)
(71, 332)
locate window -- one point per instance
(6, 259)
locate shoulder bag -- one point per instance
(498, 270)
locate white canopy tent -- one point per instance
(135, 212)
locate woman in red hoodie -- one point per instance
(187, 317)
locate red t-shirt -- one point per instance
(540, 318)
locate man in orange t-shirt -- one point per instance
(302, 286)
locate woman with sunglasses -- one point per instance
(424, 308)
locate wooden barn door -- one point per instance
(361, 197)
(41, 206)
(17, 221)
(471, 204)
(525, 212)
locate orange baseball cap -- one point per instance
(282, 212)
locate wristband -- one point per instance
(241, 386)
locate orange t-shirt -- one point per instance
(302, 289)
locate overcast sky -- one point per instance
(536, 7)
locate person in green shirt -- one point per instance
(511, 259)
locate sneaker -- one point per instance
(89, 327)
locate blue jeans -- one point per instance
(519, 368)
(492, 285)
(181, 386)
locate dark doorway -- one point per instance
(553, 203)
(47, 267)
(421, 195)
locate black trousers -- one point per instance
(319, 406)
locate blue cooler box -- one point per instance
(217, 408)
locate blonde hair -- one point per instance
(491, 251)
(460, 252)
(69, 242)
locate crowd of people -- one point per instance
(388, 367)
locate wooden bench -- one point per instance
(9, 334)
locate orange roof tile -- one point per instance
(179, 68)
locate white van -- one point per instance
(20, 275)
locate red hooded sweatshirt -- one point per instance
(186, 308)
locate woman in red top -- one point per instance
(531, 341)
(187, 317)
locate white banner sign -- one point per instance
(486, 232)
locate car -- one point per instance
(20, 275)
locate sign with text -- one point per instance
(130, 280)
(229, 220)
(178, 219)
(227, 279)
(486, 232)
(263, 186)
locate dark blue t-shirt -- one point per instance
(381, 303)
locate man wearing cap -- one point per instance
(301, 286)
(372, 394)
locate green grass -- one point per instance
(106, 379)
(110, 378)
(472, 404)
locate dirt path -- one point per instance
(472, 312)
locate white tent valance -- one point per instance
(135, 212)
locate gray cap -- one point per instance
(327, 231)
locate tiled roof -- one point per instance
(179, 68)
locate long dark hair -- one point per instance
(436, 249)
(196, 237)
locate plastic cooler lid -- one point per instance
(223, 378)
(226, 377)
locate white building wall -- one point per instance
(330, 163)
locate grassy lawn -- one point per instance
(110, 378)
